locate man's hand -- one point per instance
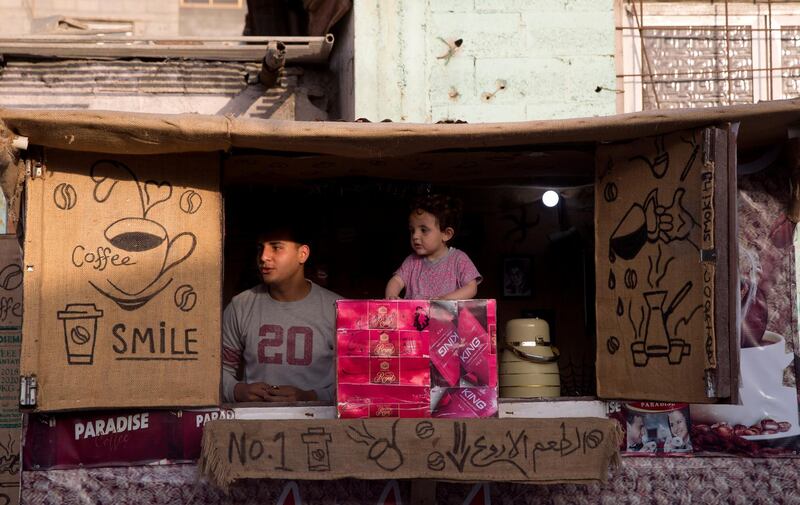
(290, 394)
(255, 392)
(261, 392)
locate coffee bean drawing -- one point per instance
(424, 430)
(80, 335)
(11, 277)
(64, 196)
(191, 201)
(610, 192)
(612, 344)
(185, 298)
(436, 461)
(631, 278)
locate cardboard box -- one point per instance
(416, 358)
(10, 342)
(10, 282)
(10, 417)
(122, 281)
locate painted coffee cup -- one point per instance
(149, 247)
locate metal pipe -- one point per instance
(728, 54)
(705, 72)
(327, 45)
(272, 64)
(19, 143)
(639, 23)
(693, 27)
(93, 39)
(770, 89)
(298, 49)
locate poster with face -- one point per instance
(654, 428)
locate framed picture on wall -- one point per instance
(517, 276)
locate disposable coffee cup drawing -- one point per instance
(148, 246)
(80, 330)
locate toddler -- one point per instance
(434, 270)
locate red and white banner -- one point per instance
(115, 438)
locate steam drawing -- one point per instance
(141, 237)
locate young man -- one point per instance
(635, 432)
(282, 330)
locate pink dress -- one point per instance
(425, 279)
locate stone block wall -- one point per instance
(150, 17)
(484, 60)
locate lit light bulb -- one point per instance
(550, 198)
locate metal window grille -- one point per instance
(700, 54)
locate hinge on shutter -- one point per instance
(708, 146)
(34, 163)
(711, 381)
(27, 391)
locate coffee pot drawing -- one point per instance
(657, 340)
(145, 241)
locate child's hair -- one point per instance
(446, 209)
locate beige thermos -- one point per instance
(529, 364)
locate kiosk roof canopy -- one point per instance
(138, 133)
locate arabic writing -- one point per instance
(448, 448)
(515, 449)
(564, 446)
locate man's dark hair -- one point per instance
(294, 230)
(446, 209)
(632, 418)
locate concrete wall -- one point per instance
(157, 18)
(151, 17)
(342, 62)
(16, 16)
(211, 22)
(517, 59)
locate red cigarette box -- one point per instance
(392, 353)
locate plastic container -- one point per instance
(529, 363)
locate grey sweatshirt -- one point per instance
(281, 343)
